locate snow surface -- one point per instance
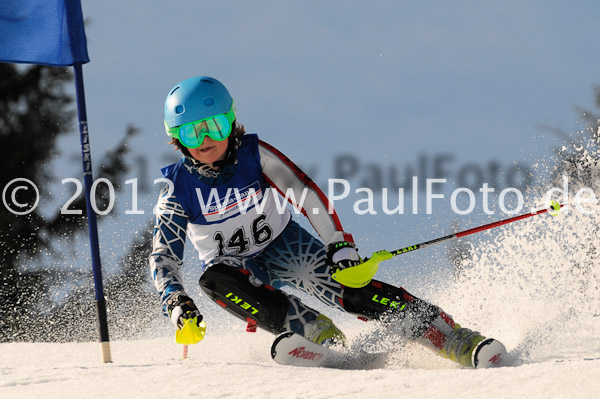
(238, 365)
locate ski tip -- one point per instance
(281, 336)
(489, 353)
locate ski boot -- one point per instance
(323, 332)
(471, 349)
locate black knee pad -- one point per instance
(235, 290)
(384, 302)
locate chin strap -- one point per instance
(216, 168)
(230, 158)
(219, 171)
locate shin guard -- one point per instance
(236, 291)
(392, 306)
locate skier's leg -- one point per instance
(415, 318)
(296, 258)
(234, 286)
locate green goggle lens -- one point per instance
(192, 134)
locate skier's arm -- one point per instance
(167, 248)
(282, 174)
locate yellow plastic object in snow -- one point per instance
(360, 275)
(191, 333)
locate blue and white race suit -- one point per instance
(240, 221)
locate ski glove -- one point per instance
(181, 308)
(341, 255)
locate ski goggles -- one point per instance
(192, 134)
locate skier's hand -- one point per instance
(341, 255)
(181, 308)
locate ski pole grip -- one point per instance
(360, 275)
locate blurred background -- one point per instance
(374, 93)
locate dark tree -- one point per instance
(35, 110)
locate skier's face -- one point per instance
(210, 150)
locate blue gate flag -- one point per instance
(45, 32)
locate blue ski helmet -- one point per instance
(194, 99)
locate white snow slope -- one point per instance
(239, 366)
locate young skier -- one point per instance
(221, 198)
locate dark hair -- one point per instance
(237, 131)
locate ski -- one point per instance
(292, 349)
